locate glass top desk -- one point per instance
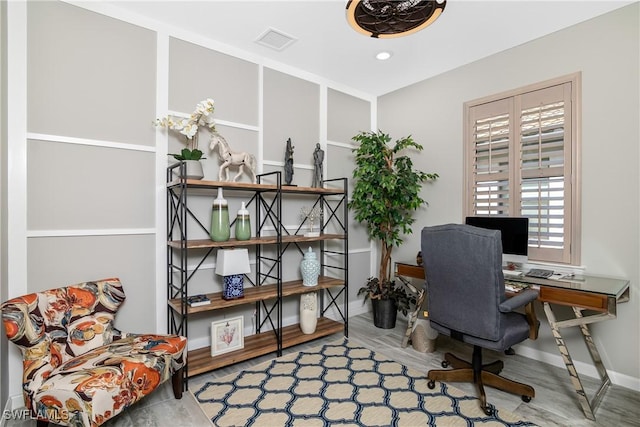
(592, 298)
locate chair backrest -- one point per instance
(465, 285)
(66, 322)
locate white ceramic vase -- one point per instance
(308, 312)
(193, 169)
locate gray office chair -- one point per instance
(466, 301)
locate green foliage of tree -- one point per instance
(386, 193)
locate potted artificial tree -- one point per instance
(386, 193)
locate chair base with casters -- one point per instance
(480, 375)
(78, 369)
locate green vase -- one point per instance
(243, 224)
(220, 230)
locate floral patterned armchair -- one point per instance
(79, 370)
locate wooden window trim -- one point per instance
(573, 175)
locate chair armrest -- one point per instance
(526, 299)
(518, 300)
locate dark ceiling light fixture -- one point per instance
(389, 18)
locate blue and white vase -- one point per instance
(233, 287)
(310, 268)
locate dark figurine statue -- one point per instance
(288, 163)
(318, 157)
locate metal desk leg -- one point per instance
(587, 407)
(597, 361)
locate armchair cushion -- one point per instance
(90, 389)
(78, 369)
(70, 320)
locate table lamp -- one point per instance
(232, 264)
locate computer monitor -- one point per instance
(514, 232)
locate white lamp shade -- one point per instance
(232, 261)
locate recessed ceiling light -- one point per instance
(383, 56)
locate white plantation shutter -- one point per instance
(545, 160)
(491, 136)
(519, 162)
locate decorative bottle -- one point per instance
(310, 268)
(243, 224)
(220, 230)
(308, 312)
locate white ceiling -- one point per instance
(326, 46)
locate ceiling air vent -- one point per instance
(275, 39)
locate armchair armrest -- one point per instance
(524, 298)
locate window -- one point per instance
(521, 159)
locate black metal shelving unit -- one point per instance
(266, 289)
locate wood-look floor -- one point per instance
(554, 405)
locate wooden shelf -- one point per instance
(254, 294)
(245, 186)
(205, 184)
(291, 335)
(295, 287)
(231, 243)
(200, 360)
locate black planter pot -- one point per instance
(384, 313)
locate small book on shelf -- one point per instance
(198, 300)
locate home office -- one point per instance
(592, 299)
(82, 166)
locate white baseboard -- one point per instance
(357, 308)
(583, 368)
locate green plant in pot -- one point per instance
(386, 193)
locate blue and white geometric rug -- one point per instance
(340, 385)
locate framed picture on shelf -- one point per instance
(227, 335)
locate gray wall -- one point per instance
(91, 78)
(346, 117)
(92, 186)
(606, 51)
